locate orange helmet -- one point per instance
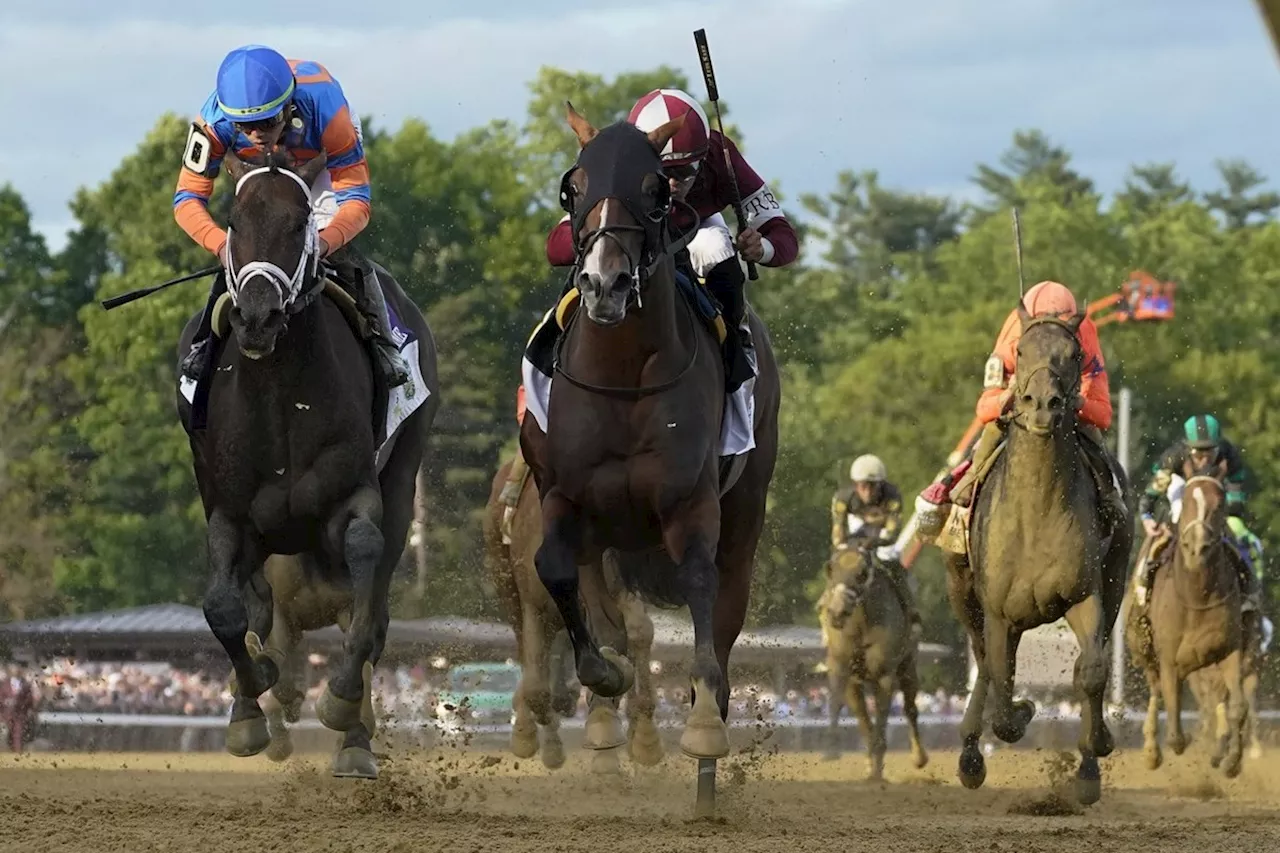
(1048, 298)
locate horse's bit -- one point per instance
(289, 286)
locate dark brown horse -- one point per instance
(869, 642)
(630, 460)
(288, 466)
(544, 694)
(1039, 550)
(1195, 625)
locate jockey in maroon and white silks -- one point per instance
(694, 161)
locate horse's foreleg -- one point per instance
(880, 734)
(1010, 719)
(564, 689)
(347, 701)
(1086, 620)
(644, 744)
(532, 698)
(837, 678)
(1231, 674)
(283, 702)
(602, 671)
(235, 556)
(1171, 689)
(909, 682)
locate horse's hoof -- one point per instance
(552, 752)
(281, 747)
(1088, 791)
(606, 762)
(336, 713)
(1154, 758)
(1255, 751)
(1231, 768)
(524, 739)
(973, 769)
(352, 762)
(1013, 728)
(921, 758)
(609, 675)
(1088, 781)
(705, 739)
(1178, 745)
(1105, 743)
(1215, 761)
(604, 729)
(875, 770)
(644, 744)
(249, 736)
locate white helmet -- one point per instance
(868, 469)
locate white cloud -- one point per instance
(920, 89)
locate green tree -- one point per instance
(1237, 201)
(1031, 158)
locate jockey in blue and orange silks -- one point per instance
(262, 103)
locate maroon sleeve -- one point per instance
(560, 244)
(761, 208)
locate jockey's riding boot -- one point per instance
(373, 304)
(897, 576)
(727, 283)
(515, 480)
(1147, 572)
(1099, 461)
(990, 439)
(193, 362)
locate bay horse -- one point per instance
(869, 642)
(1038, 551)
(1195, 627)
(544, 693)
(630, 458)
(287, 465)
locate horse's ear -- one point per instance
(1076, 319)
(1023, 314)
(581, 127)
(660, 136)
(236, 168)
(311, 169)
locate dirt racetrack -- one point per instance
(461, 801)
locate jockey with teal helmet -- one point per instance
(264, 102)
(1200, 449)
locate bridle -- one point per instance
(288, 285)
(1070, 384)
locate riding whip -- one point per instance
(1017, 248)
(709, 77)
(125, 298)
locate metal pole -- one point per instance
(1117, 633)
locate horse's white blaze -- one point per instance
(592, 264)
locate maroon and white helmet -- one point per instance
(660, 106)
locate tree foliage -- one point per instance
(882, 334)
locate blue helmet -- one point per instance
(254, 84)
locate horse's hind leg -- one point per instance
(855, 696)
(234, 598)
(602, 671)
(1151, 725)
(965, 605)
(564, 691)
(1009, 719)
(283, 702)
(1086, 621)
(880, 734)
(909, 681)
(837, 680)
(643, 743)
(532, 695)
(705, 733)
(354, 533)
(1231, 674)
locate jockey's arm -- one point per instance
(201, 160)
(763, 213)
(349, 174)
(997, 376)
(560, 244)
(1095, 387)
(892, 515)
(839, 510)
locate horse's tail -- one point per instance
(649, 574)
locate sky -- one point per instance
(920, 90)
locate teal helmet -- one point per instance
(1202, 432)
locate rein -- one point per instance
(639, 277)
(1070, 384)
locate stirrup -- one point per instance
(193, 361)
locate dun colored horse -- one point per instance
(287, 466)
(1194, 625)
(630, 460)
(1038, 551)
(868, 643)
(543, 694)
